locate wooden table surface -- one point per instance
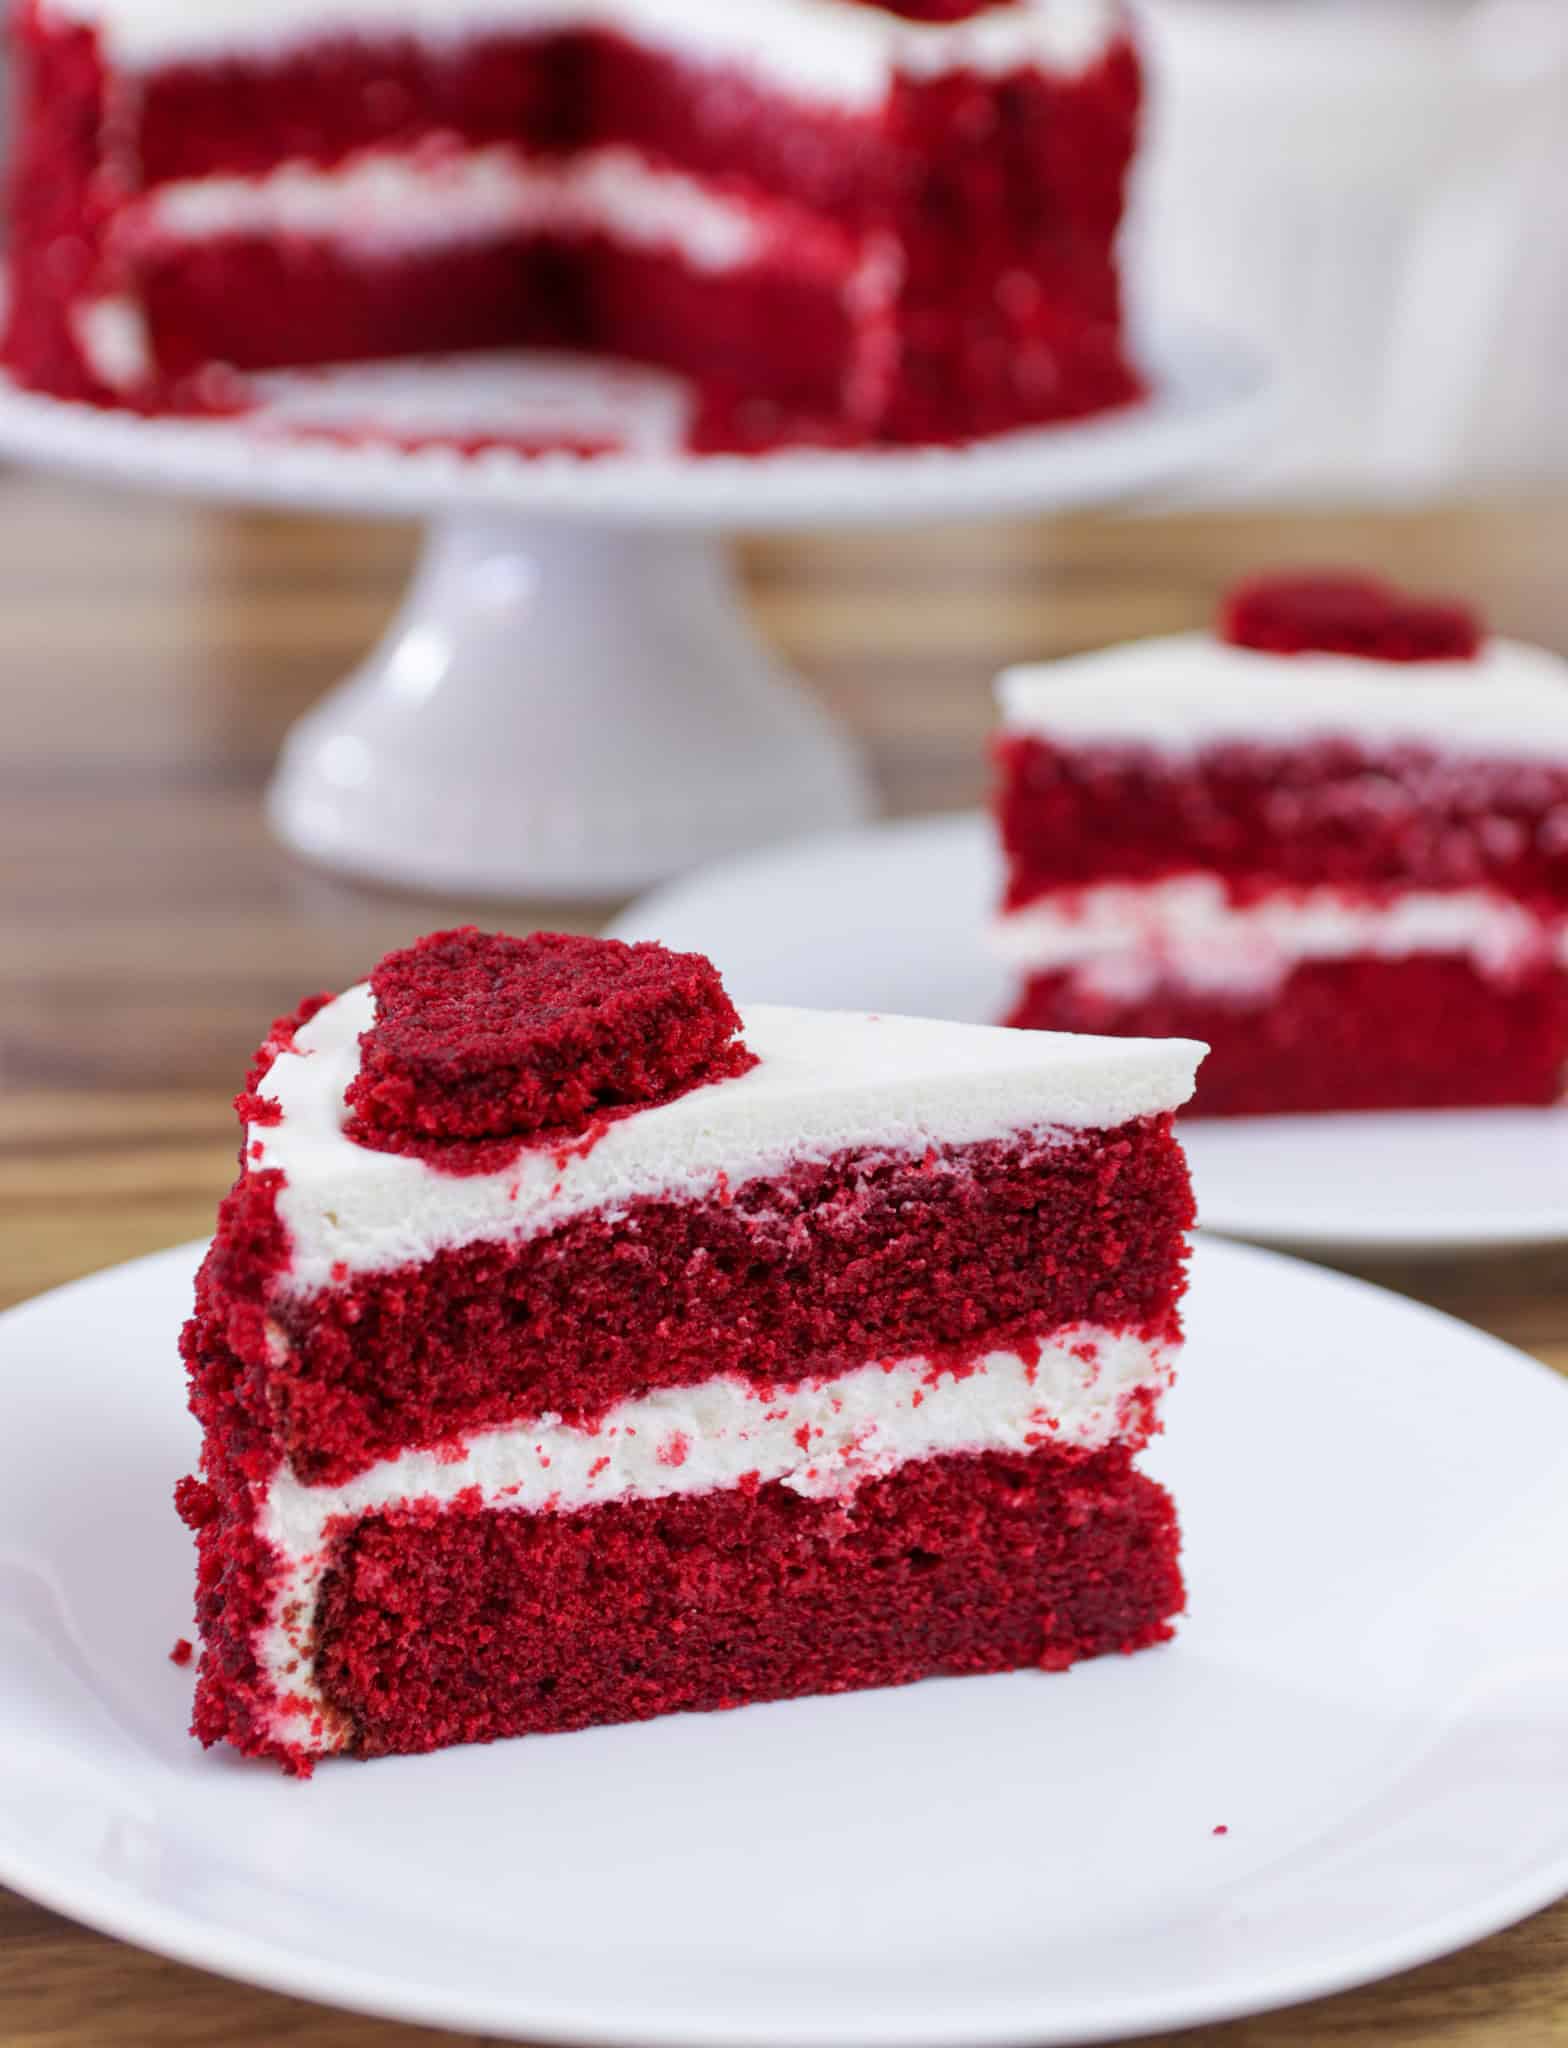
(153, 655)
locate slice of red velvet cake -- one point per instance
(1331, 840)
(842, 221)
(574, 1350)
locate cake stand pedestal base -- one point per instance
(571, 703)
(561, 710)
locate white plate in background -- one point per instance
(894, 917)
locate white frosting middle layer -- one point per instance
(827, 1082)
(821, 1439)
(1186, 930)
(397, 200)
(841, 53)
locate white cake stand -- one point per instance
(570, 700)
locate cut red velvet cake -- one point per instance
(1331, 840)
(840, 220)
(814, 1354)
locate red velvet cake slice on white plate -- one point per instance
(1330, 839)
(574, 1349)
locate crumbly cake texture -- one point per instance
(1423, 1031)
(1307, 839)
(859, 1407)
(480, 1035)
(948, 1567)
(841, 223)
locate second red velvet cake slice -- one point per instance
(1330, 840)
(826, 1368)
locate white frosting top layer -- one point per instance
(1179, 694)
(1186, 929)
(826, 1082)
(829, 50)
(820, 1439)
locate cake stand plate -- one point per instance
(894, 918)
(571, 701)
(1033, 1858)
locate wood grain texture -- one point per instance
(153, 656)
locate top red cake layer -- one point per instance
(480, 1035)
(1346, 613)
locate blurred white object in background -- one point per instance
(1375, 192)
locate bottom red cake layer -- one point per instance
(439, 1626)
(254, 303)
(1427, 1031)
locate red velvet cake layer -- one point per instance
(55, 215)
(1010, 309)
(235, 1575)
(1422, 1032)
(781, 1280)
(323, 102)
(253, 302)
(986, 208)
(452, 1627)
(258, 304)
(1259, 817)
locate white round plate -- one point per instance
(894, 918)
(1351, 1758)
(302, 447)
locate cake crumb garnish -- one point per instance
(483, 1043)
(1346, 612)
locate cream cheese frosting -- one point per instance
(1086, 1388)
(835, 51)
(397, 200)
(1180, 694)
(1186, 930)
(825, 1082)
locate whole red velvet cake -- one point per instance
(842, 221)
(1331, 840)
(782, 1353)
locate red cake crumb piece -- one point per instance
(482, 1036)
(1343, 612)
(1222, 1829)
(183, 1651)
(194, 1502)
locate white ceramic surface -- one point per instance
(571, 701)
(1374, 192)
(894, 917)
(1372, 1703)
(566, 711)
(1210, 399)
